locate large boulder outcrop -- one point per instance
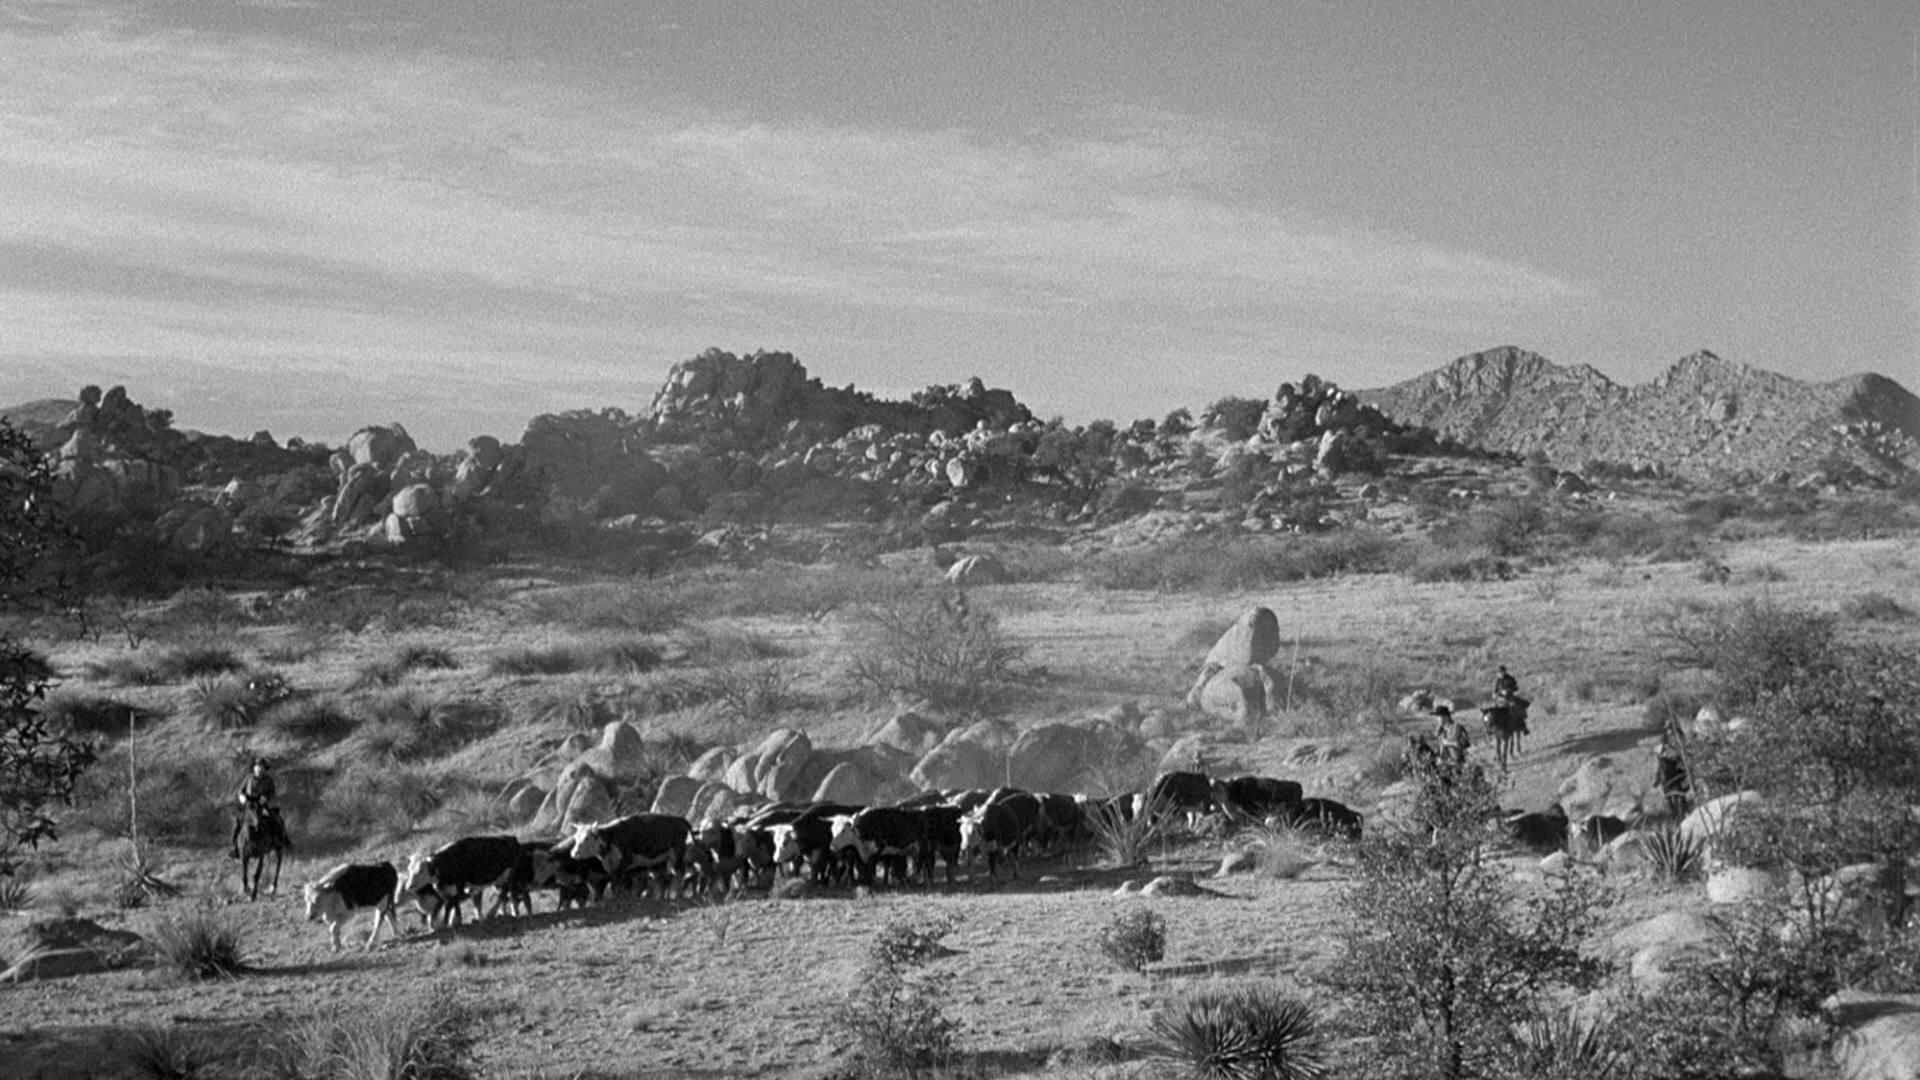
(1653, 948)
(909, 732)
(1072, 757)
(1241, 656)
(580, 794)
(1601, 786)
(1241, 694)
(381, 447)
(1879, 1034)
(772, 768)
(59, 948)
(964, 759)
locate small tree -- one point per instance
(1444, 955)
(38, 766)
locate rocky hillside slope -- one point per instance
(1704, 418)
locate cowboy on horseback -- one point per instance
(257, 808)
(1506, 688)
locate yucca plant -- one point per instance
(1128, 840)
(1673, 855)
(1251, 1031)
(1558, 1045)
(430, 1037)
(165, 1053)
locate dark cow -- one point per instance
(1328, 816)
(1189, 792)
(1543, 831)
(636, 845)
(1063, 824)
(465, 868)
(886, 834)
(943, 838)
(999, 830)
(1257, 798)
(352, 887)
(543, 866)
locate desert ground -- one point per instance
(746, 987)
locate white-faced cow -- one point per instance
(1188, 792)
(463, 869)
(808, 839)
(540, 868)
(886, 834)
(352, 887)
(637, 844)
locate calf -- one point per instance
(351, 887)
(537, 869)
(463, 868)
(1602, 829)
(1257, 798)
(806, 840)
(1063, 824)
(886, 833)
(943, 838)
(1326, 815)
(636, 844)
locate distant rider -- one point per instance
(1506, 688)
(256, 798)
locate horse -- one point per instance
(1506, 721)
(264, 834)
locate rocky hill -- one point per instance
(1704, 418)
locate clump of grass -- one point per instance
(407, 658)
(637, 608)
(1240, 1032)
(220, 704)
(1134, 938)
(430, 1036)
(371, 799)
(183, 662)
(125, 669)
(315, 719)
(403, 726)
(200, 944)
(1281, 853)
(1874, 607)
(167, 1053)
(628, 656)
(16, 892)
(532, 662)
(1194, 563)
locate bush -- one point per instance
(1250, 1031)
(94, 714)
(407, 658)
(168, 1053)
(367, 799)
(1874, 607)
(1128, 841)
(407, 727)
(894, 1016)
(1134, 938)
(752, 694)
(1754, 649)
(635, 608)
(309, 719)
(530, 662)
(201, 944)
(430, 1036)
(939, 648)
(197, 662)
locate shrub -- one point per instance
(196, 662)
(405, 726)
(1754, 649)
(200, 944)
(94, 714)
(529, 662)
(894, 1016)
(1193, 563)
(125, 670)
(1874, 607)
(939, 648)
(1251, 1031)
(635, 608)
(1280, 852)
(407, 658)
(1134, 938)
(630, 656)
(429, 1036)
(367, 799)
(167, 1053)
(752, 694)
(309, 719)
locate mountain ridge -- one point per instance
(1704, 417)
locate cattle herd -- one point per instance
(826, 843)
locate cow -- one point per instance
(716, 856)
(1189, 792)
(636, 844)
(999, 830)
(808, 839)
(1256, 798)
(1542, 831)
(884, 833)
(464, 868)
(1062, 823)
(352, 887)
(540, 867)
(943, 838)
(1326, 815)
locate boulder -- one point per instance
(910, 732)
(63, 947)
(524, 802)
(1652, 948)
(626, 751)
(1236, 693)
(580, 794)
(1072, 757)
(778, 762)
(362, 488)
(1879, 1035)
(848, 783)
(977, 570)
(712, 765)
(1600, 786)
(1710, 817)
(1254, 638)
(676, 796)
(960, 761)
(197, 530)
(381, 447)
(1742, 884)
(416, 501)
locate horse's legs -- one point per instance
(274, 889)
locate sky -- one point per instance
(308, 217)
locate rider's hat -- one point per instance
(262, 763)
(1442, 710)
